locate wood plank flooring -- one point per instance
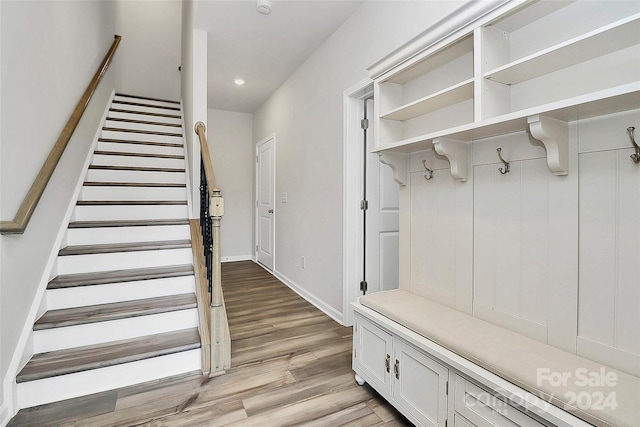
(291, 365)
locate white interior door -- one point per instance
(382, 221)
(265, 201)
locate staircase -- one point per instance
(121, 308)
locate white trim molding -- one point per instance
(5, 417)
(308, 296)
(352, 234)
(236, 258)
(457, 22)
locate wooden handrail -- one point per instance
(28, 206)
(200, 130)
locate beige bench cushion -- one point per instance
(515, 357)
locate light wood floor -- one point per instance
(291, 365)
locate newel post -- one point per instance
(216, 212)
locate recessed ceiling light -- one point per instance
(239, 82)
(263, 7)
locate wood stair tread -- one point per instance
(136, 168)
(117, 276)
(146, 132)
(141, 104)
(143, 122)
(148, 98)
(129, 154)
(61, 362)
(145, 113)
(114, 311)
(132, 141)
(124, 247)
(132, 184)
(128, 223)
(130, 202)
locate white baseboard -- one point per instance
(315, 301)
(5, 416)
(236, 258)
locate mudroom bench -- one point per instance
(441, 367)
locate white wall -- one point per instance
(232, 151)
(306, 115)
(149, 54)
(50, 52)
(193, 94)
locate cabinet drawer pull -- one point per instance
(387, 363)
(396, 369)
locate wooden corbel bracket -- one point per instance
(457, 152)
(554, 134)
(398, 164)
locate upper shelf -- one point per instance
(621, 98)
(435, 60)
(610, 38)
(444, 98)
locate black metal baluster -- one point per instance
(206, 225)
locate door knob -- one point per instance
(270, 211)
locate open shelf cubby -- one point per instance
(525, 64)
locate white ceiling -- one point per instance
(264, 50)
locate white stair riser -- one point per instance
(142, 126)
(124, 212)
(146, 101)
(153, 162)
(115, 292)
(54, 389)
(102, 175)
(100, 235)
(72, 264)
(144, 109)
(114, 134)
(114, 330)
(139, 148)
(83, 383)
(143, 116)
(132, 193)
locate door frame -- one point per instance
(255, 204)
(352, 225)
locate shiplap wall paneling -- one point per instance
(388, 237)
(511, 235)
(609, 302)
(526, 239)
(441, 233)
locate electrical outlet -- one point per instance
(303, 262)
(284, 197)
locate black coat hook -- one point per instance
(429, 173)
(635, 157)
(507, 167)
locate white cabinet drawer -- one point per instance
(483, 409)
